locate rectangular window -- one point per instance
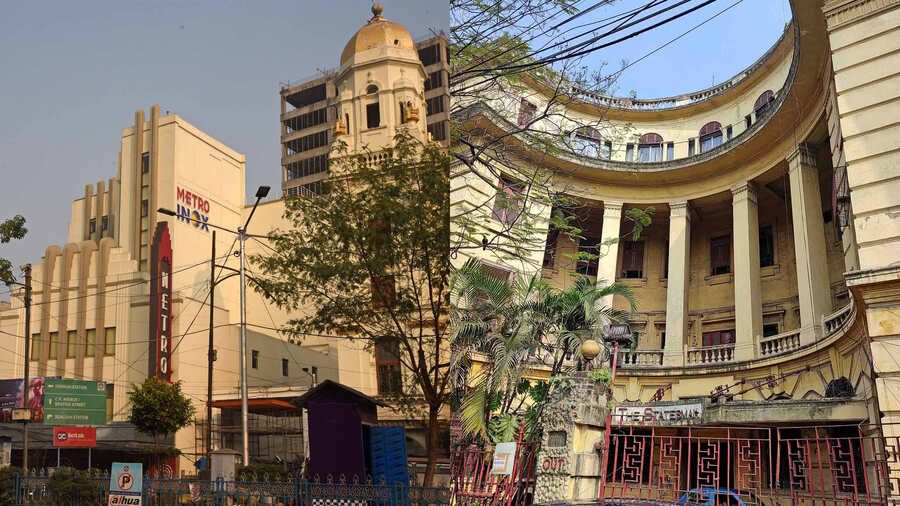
(435, 80)
(109, 342)
(35, 346)
(550, 249)
(54, 345)
(766, 246)
(254, 359)
(307, 142)
(92, 225)
(430, 55)
(588, 146)
(508, 201)
(373, 115)
(670, 151)
(629, 152)
(691, 147)
(720, 255)
(770, 329)
(307, 167)
(387, 368)
(434, 105)
(607, 150)
(71, 339)
(718, 337)
(104, 223)
(284, 367)
(711, 141)
(145, 208)
(91, 340)
(589, 246)
(633, 259)
(748, 120)
(145, 163)
(662, 340)
(728, 132)
(666, 261)
(526, 112)
(383, 291)
(438, 130)
(650, 152)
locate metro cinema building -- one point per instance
(768, 285)
(92, 306)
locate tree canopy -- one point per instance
(368, 260)
(159, 408)
(12, 228)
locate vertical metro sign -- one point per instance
(161, 303)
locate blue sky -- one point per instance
(75, 72)
(710, 54)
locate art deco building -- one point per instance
(771, 271)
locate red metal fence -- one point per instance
(471, 480)
(796, 465)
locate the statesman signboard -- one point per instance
(161, 303)
(659, 414)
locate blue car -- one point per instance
(710, 496)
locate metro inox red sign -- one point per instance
(79, 437)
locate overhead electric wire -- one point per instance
(515, 69)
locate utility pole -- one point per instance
(25, 389)
(244, 431)
(212, 352)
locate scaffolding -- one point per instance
(275, 437)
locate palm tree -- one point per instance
(517, 324)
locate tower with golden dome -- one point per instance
(386, 81)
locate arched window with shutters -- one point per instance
(373, 110)
(710, 136)
(763, 103)
(650, 148)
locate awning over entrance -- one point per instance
(270, 407)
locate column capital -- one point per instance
(743, 191)
(804, 154)
(612, 208)
(680, 209)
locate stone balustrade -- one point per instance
(640, 358)
(705, 355)
(779, 344)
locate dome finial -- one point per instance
(377, 9)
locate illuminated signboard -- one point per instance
(161, 303)
(192, 208)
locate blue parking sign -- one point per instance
(125, 483)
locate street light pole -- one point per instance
(242, 234)
(244, 431)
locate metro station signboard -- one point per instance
(161, 304)
(74, 402)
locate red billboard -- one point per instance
(76, 437)
(161, 303)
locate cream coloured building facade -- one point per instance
(91, 309)
(774, 248)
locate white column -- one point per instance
(677, 289)
(747, 301)
(809, 243)
(606, 264)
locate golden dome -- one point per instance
(378, 32)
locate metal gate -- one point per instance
(471, 480)
(823, 465)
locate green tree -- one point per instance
(369, 257)
(159, 408)
(13, 228)
(517, 325)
